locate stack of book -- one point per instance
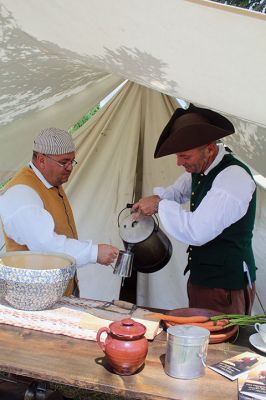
(250, 370)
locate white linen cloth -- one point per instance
(63, 318)
(74, 317)
(24, 218)
(225, 203)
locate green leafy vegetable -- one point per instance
(240, 319)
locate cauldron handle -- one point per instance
(157, 220)
(129, 205)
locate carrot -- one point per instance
(222, 322)
(211, 328)
(178, 320)
(206, 325)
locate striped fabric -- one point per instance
(53, 141)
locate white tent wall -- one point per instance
(58, 59)
(151, 288)
(104, 182)
(197, 50)
(62, 115)
(41, 85)
(249, 142)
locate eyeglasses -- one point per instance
(63, 164)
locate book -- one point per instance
(239, 365)
(242, 396)
(252, 384)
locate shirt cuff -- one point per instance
(159, 191)
(88, 255)
(94, 252)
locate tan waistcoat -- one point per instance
(55, 202)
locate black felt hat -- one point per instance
(192, 128)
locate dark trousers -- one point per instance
(225, 301)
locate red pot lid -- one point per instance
(127, 328)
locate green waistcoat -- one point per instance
(219, 263)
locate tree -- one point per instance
(254, 5)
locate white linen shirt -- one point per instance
(28, 223)
(225, 203)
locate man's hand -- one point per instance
(145, 206)
(107, 254)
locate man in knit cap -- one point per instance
(218, 228)
(35, 211)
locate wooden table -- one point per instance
(81, 363)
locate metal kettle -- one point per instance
(151, 247)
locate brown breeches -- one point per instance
(225, 301)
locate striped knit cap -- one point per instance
(53, 141)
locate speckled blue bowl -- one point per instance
(34, 281)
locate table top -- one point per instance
(81, 363)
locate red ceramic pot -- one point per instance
(125, 346)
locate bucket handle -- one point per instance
(202, 358)
(130, 205)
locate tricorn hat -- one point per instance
(192, 128)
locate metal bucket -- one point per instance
(186, 351)
(151, 247)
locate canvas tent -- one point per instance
(60, 58)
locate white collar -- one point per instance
(218, 158)
(40, 176)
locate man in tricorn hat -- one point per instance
(218, 228)
(35, 211)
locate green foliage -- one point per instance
(254, 5)
(2, 184)
(85, 118)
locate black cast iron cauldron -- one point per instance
(151, 247)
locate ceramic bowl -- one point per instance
(34, 281)
(215, 337)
